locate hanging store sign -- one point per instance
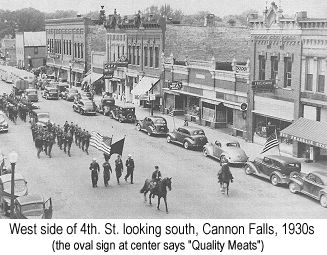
(175, 85)
(303, 140)
(109, 69)
(260, 86)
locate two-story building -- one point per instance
(31, 49)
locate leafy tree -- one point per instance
(30, 19)
(59, 14)
(163, 11)
(231, 22)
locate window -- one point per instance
(145, 56)
(151, 57)
(36, 50)
(287, 72)
(70, 47)
(64, 46)
(133, 61)
(274, 67)
(129, 54)
(82, 50)
(78, 50)
(123, 50)
(75, 50)
(262, 68)
(309, 74)
(118, 53)
(156, 61)
(59, 42)
(321, 75)
(138, 55)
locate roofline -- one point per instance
(66, 20)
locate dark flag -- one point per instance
(270, 143)
(117, 147)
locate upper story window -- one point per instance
(321, 75)
(134, 57)
(287, 72)
(82, 50)
(138, 55)
(129, 54)
(36, 50)
(262, 68)
(309, 74)
(274, 67)
(145, 56)
(151, 56)
(156, 57)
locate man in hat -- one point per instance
(156, 177)
(106, 172)
(95, 169)
(119, 168)
(130, 168)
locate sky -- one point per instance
(315, 8)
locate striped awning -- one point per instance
(307, 131)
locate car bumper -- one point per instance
(3, 129)
(53, 97)
(284, 179)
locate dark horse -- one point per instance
(159, 190)
(224, 178)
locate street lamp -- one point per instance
(13, 157)
(70, 74)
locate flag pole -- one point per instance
(277, 140)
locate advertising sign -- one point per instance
(175, 85)
(109, 69)
(267, 85)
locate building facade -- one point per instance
(69, 43)
(31, 49)
(8, 51)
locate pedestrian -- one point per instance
(87, 138)
(130, 168)
(118, 168)
(95, 169)
(224, 176)
(106, 172)
(69, 141)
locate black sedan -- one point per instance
(313, 184)
(153, 125)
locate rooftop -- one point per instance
(35, 38)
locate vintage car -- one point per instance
(123, 112)
(32, 207)
(188, 136)
(86, 95)
(61, 87)
(70, 94)
(5, 190)
(225, 150)
(274, 167)
(312, 184)
(3, 123)
(153, 125)
(84, 106)
(105, 105)
(40, 117)
(50, 93)
(32, 95)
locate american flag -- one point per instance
(100, 142)
(270, 143)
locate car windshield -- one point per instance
(43, 115)
(232, 145)
(160, 121)
(20, 185)
(88, 104)
(53, 90)
(198, 132)
(32, 207)
(2, 118)
(32, 92)
(293, 165)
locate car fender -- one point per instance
(298, 182)
(278, 174)
(172, 136)
(253, 167)
(323, 192)
(189, 140)
(209, 148)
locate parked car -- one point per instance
(40, 117)
(70, 94)
(153, 125)
(61, 87)
(226, 150)
(188, 136)
(312, 184)
(32, 207)
(275, 168)
(32, 95)
(5, 190)
(84, 107)
(123, 113)
(86, 95)
(3, 122)
(50, 93)
(105, 105)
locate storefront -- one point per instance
(146, 86)
(94, 81)
(311, 138)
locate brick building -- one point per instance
(70, 42)
(31, 50)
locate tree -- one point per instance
(59, 14)
(231, 22)
(163, 11)
(30, 19)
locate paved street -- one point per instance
(195, 192)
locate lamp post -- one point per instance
(13, 157)
(70, 74)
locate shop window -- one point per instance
(274, 67)
(145, 56)
(151, 56)
(262, 68)
(287, 72)
(133, 60)
(156, 53)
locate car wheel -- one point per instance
(274, 180)
(120, 120)
(138, 127)
(168, 139)
(223, 158)
(323, 201)
(205, 152)
(149, 133)
(186, 145)
(293, 187)
(247, 170)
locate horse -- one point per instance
(159, 190)
(224, 178)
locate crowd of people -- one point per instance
(14, 106)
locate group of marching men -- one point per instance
(45, 137)
(14, 106)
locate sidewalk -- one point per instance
(251, 149)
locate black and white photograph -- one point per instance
(143, 109)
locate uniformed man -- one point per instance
(130, 168)
(75, 134)
(69, 141)
(83, 136)
(50, 141)
(59, 137)
(64, 141)
(79, 133)
(95, 169)
(66, 126)
(87, 138)
(45, 141)
(106, 172)
(118, 168)
(71, 128)
(38, 144)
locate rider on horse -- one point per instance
(224, 175)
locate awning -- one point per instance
(144, 85)
(92, 77)
(307, 131)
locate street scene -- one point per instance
(216, 117)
